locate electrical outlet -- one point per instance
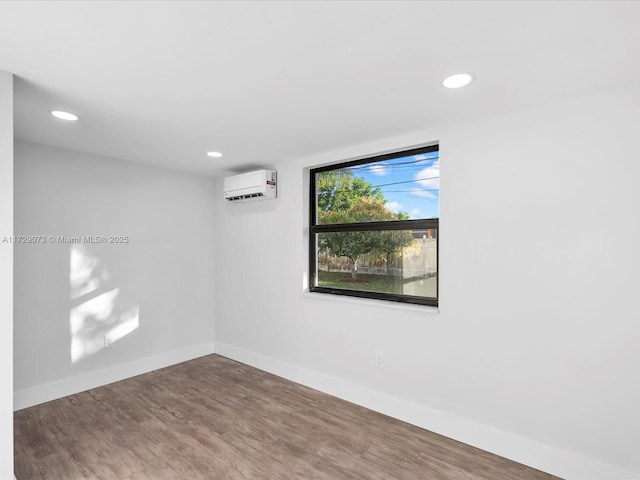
(107, 342)
(379, 360)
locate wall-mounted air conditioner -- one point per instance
(256, 185)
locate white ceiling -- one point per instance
(264, 82)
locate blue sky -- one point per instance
(410, 184)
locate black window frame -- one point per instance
(420, 224)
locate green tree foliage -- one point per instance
(354, 244)
(338, 190)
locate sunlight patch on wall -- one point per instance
(98, 317)
(87, 272)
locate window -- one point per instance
(373, 229)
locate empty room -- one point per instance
(328, 240)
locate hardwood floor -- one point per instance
(213, 418)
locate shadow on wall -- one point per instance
(97, 315)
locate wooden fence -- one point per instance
(420, 259)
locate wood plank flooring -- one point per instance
(213, 418)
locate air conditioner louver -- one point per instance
(245, 197)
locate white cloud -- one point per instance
(422, 159)
(394, 207)
(428, 180)
(415, 213)
(429, 177)
(418, 192)
(379, 169)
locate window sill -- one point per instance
(370, 302)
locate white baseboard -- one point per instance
(528, 452)
(68, 386)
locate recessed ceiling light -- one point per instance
(458, 80)
(214, 154)
(64, 115)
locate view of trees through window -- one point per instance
(374, 226)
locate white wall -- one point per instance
(534, 351)
(6, 276)
(165, 272)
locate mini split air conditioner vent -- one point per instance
(246, 197)
(246, 187)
